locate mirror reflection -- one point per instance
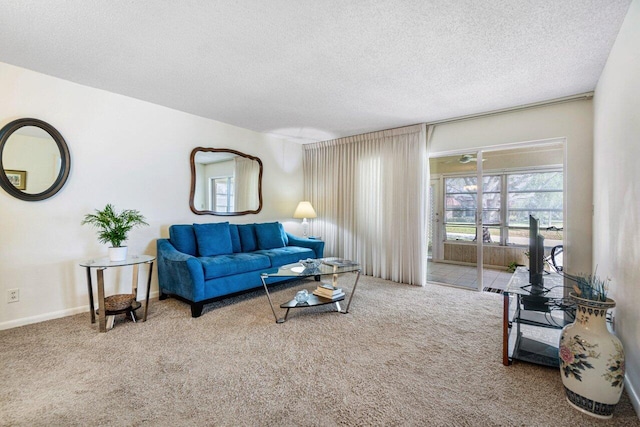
(31, 159)
(225, 182)
(34, 159)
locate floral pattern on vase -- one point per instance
(615, 367)
(575, 355)
(591, 360)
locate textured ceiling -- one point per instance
(318, 69)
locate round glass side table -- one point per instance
(100, 265)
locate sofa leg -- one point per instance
(163, 296)
(196, 309)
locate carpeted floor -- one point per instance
(404, 356)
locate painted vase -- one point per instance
(591, 360)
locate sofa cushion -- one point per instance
(248, 240)
(270, 236)
(285, 236)
(235, 238)
(213, 239)
(183, 239)
(286, 255)
(227, 265)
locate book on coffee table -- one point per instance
(325, 290)
(338, 262)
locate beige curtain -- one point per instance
(246, 172)
(370, 193)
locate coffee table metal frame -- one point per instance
(297, 270)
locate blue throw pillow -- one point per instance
(285, 238)
(235, 238)
(270, 235)
(213, 239)
(247, 237)
(182, 238)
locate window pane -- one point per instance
(460, 216)
(465, 184)
(460, 233)
(537, 200)
(538, 194)
(521, 237)
(548, 218)
(460, 201)
(491, 183)
(535, 181)
(494, 233)
(491, 217)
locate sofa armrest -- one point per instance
(179, 273)
(315, 244)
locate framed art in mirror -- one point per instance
(225, 182)
(33, 149)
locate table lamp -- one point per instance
(304, 211)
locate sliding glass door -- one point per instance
(456, 218)
(480, 232)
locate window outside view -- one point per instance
(223, 199)
(508, 200)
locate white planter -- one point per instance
(118, 254)
(591, 360)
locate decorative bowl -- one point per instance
(310, 263)
(302, 296)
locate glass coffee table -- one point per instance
(297, 270)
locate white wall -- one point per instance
(572, 121)
(617, 188)
(123, 151)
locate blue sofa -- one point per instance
(202, 263)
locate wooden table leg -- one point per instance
(102, 315)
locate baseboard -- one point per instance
(634, 396)
(52, 315)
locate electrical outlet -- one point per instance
(13, 295)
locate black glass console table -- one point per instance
(532, 322)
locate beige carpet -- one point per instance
(403, 356)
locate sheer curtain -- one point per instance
(245, 177)
(370, 193)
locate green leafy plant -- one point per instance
(590, 286)
(114, 227)
(512, 266)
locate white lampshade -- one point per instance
(304, 210)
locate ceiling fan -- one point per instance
(466, 158)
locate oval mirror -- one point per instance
(225, 182)
(34, 159)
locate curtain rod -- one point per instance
(580, 97)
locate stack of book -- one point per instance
(327, 291)
(338, 262)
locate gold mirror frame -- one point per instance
(193, 182)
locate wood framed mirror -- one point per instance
(225, 182)
(34, 159)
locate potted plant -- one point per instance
(114, 227)
(591, 358)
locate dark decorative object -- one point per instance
(27, 126)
